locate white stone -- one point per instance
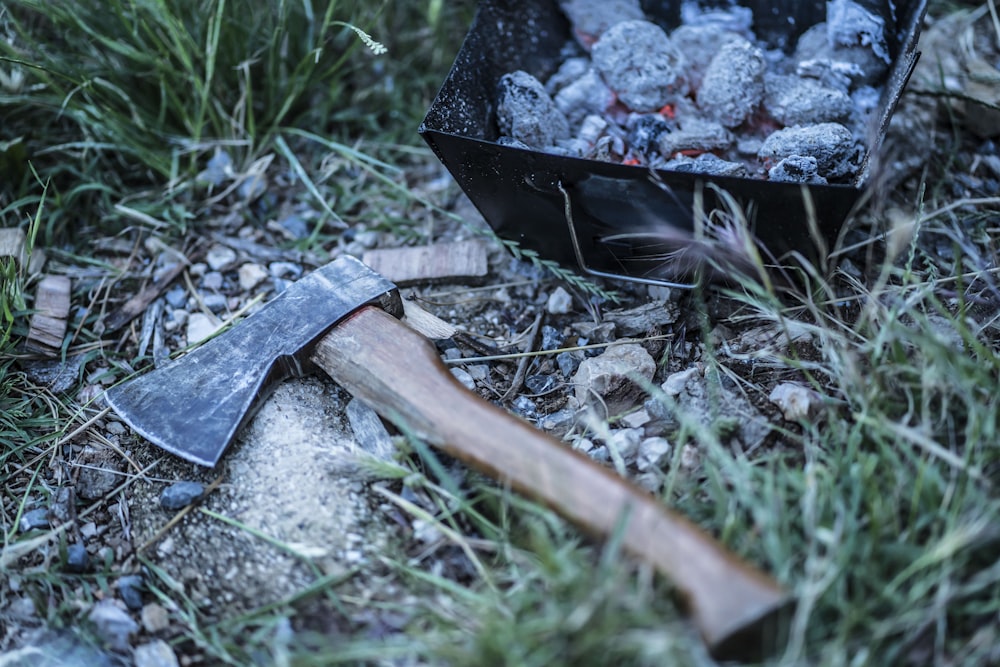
(560, 302)
(220, 257)
(251, 275)
(625, 441)
(652, 453)
(795, 401)
(156, 653)
(200, 326)
(610, 379)
(675, 382)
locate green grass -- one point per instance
(880, 514)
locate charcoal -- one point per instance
(796, 169)
(609, 148)
(731, 19)
(511, 142)
(831, 144)
(527, 113)
(695, 135)
(792, 100)
(734, 83)
(699, 44)
(849, 24)
(709, 164)
(592, 18)
(859, 63)
(570, 70)
(639, 63)
(588, 94)
(592, 128)
(644, 132)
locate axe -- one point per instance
(342, 318)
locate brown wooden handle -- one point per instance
(398, 372)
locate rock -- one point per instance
(220, 257)
(35, 519)
(154, 618)
(251, 275)
(525, 407)
(112, 624)
(797, 403)
(57, 375)
(212, 280)
(540, 383)
(180, 495)
(625, 441)
(130, 591)
(690, 458)
(77, 558)
(608, 378)
(369, 430)
(200, 326)
(464, 378)
(676, 382)
(552, 338)
(652, 454)
(560, 302)
(568, 363)
(294, 226)
(156, 653)
(98, 473)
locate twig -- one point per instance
(522, 366)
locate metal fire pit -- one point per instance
(599, 214)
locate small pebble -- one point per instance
(180, 495)
(176, 297)
(552, 338)
(626, 441)
(130, 591)
(464, 378)
(35, 519)
(156, 653)
(540, 384)
(154, 618)
(220, 257)
(652, 454)
(525, 407)
(560, 302)
(112, 624)
(568, 363)
(676, 382)
(212, 281)
(251, 275)
(296, 227)
(199, 327)
(77, 558)
(797, 403)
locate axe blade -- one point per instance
(195, 406)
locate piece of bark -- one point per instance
(48, 324)
(441, 262)
(12, 243)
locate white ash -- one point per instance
(733, 86)
(831, 144)
(592, 18)
(796, 169)
(794, 100)
(639, 63)
(646, 97)
(527, 113)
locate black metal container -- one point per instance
(584, 211)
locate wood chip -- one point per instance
(442, 262)
(138, 303)
(429, 325)
(48, 324)
(12, 243)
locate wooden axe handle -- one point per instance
(398, 372)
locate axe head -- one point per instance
(194, 406)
